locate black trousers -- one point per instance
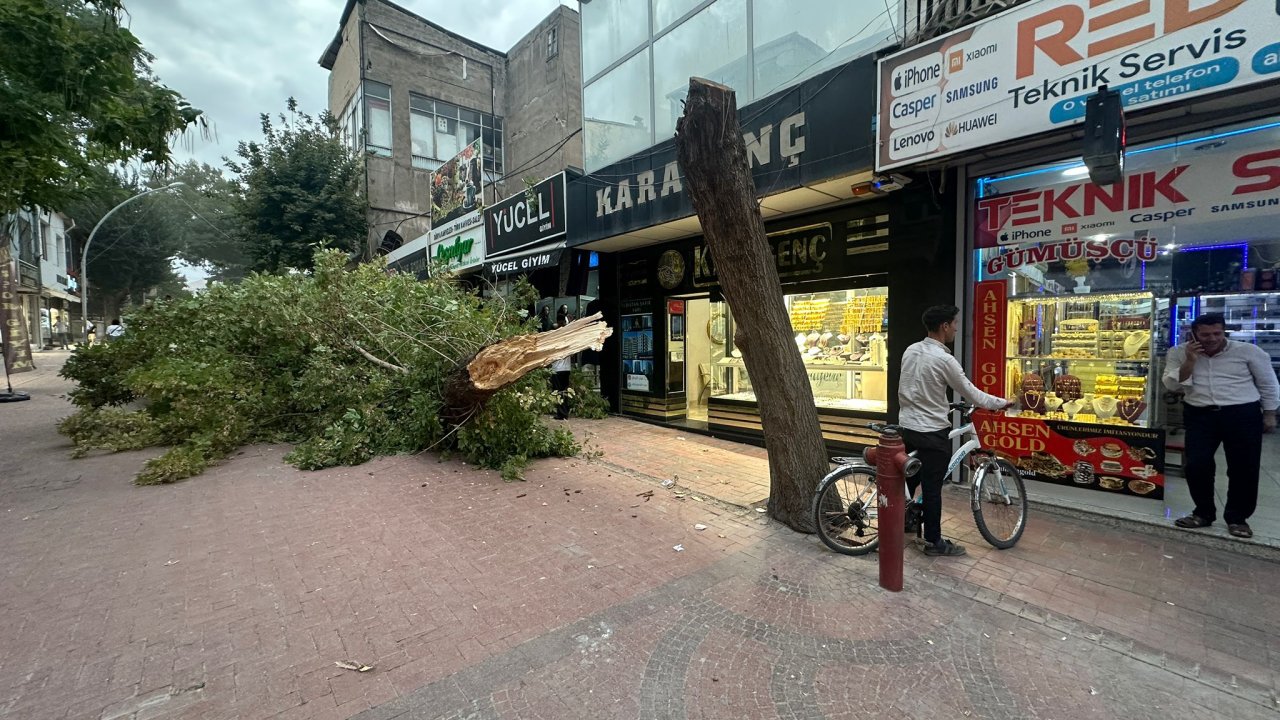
(933, 449)
(1238, 429)
(560, 383)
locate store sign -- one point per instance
(1031, 69)
(530, 218)
(813, 131)
(1113, 458)
(797, 253)
(413, 263)
(990, 300)
(459, 252)
(769, 147)
(1145, 249)
(457, 197)
(525, 263)
(1215, 183)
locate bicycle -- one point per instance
(845, 505)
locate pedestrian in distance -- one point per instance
(1230, 396)
(544, 319)
(60, 332)
(561, 371)
(928, 369)
(115, 330)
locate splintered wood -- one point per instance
(503, 363)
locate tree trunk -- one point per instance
(713, 159)
(502, 363)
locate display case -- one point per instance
(841, 336)
(1085, 359)
(1081, 373)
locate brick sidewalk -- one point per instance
(232, 594)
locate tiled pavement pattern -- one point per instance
(230, 596)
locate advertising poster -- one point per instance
(457, 192)
(1031, 69)
(1125, 460)
(637, 352)
(13, 327)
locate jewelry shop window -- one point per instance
(842, 337)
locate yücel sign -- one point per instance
(527, 219)
(1031, 69)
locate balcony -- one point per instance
(927, 19)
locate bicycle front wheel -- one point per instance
(845, 511)
(999, 503)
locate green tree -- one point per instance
(133, 252)
(300, 190)
(203, 214)
(76, 90)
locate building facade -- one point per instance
(43, 252)
(852, 249)
(411, 95)
(1077, 290)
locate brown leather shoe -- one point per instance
(1240, 530)
(1192, 522)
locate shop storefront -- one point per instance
(1081, 290)
(1076, 291)
(859, 258)
(854, 284)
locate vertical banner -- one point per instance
(990, 303)
(13, 329)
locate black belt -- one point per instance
(1218, 408)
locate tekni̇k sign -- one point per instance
(1074, 219)
(1031, 69)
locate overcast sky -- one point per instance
(235, 59)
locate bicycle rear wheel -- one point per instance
(999, 503)
(845, 511)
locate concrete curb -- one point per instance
(1216, 539)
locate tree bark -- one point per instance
(503, 363)
(713, 159)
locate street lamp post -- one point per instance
(84, 252)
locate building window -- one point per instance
(59, 244)
(553, 43)
(46, 241)
(440, 130)
(617, 117)
(351, 121)
(611, 29)
(377, 103)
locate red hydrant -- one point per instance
(893, 466)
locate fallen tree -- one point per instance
(347, 365)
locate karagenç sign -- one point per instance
(1031, 69)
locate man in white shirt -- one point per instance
(928, 369)
(1230, 396)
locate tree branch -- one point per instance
(378, 361)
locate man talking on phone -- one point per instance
(1230, 396)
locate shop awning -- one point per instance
(527, 261)
(55, 293)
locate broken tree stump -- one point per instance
(498, 365)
